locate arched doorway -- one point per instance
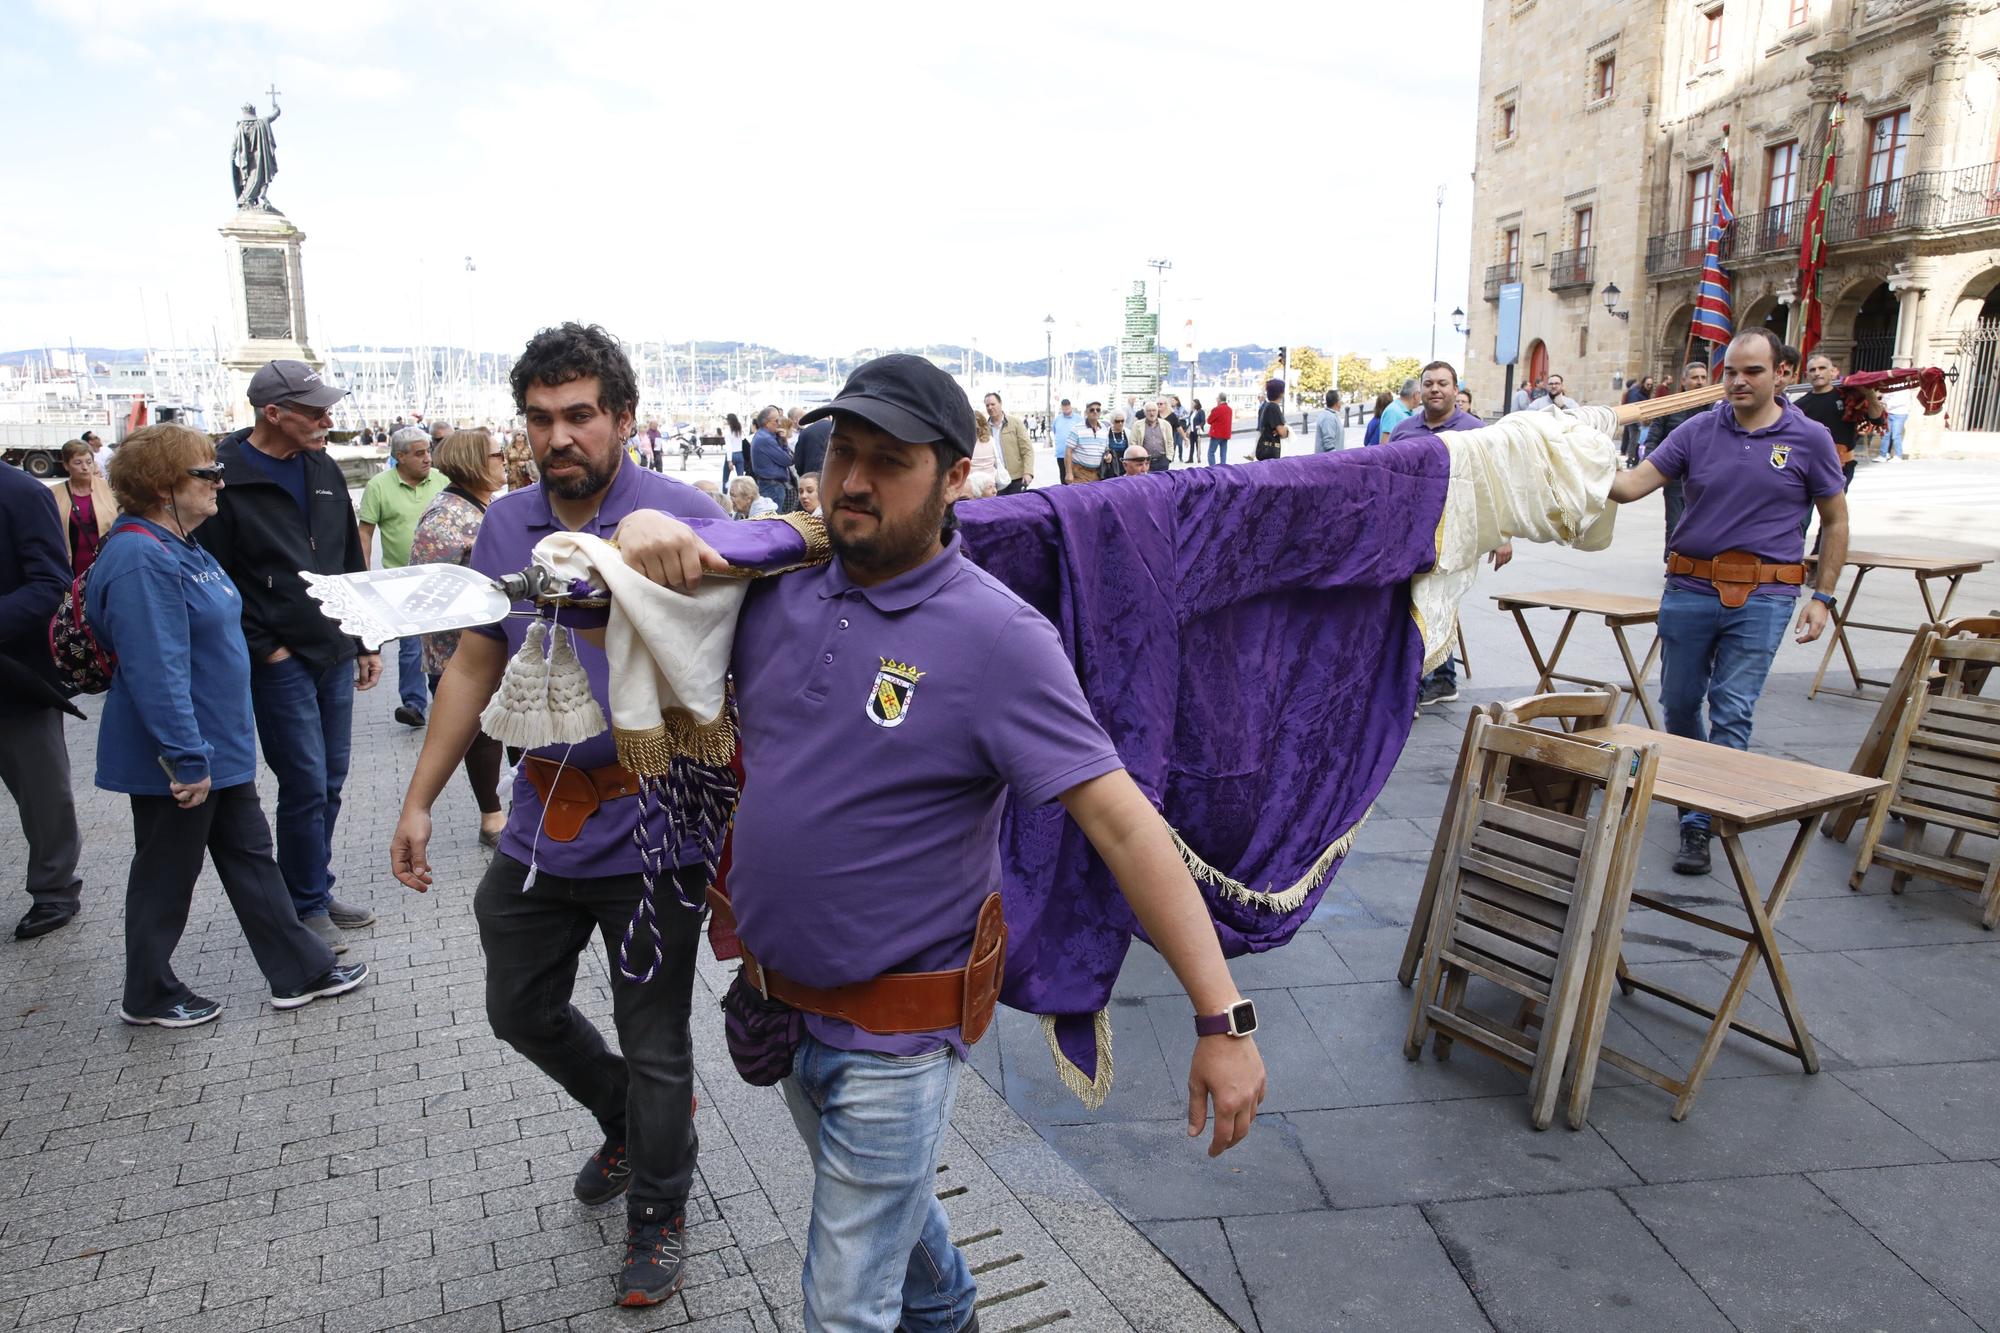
(1673, 346)
(1538, 362)
(1975, 403)
(1778, 320)
(1875, 331)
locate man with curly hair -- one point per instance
(567, 868)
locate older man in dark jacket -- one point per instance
(34, 762)
(285, 509)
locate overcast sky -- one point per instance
(819, 177)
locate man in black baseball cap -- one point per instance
(901, 444)
(889, 702)
(284, 510)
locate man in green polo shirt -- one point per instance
(393, 502)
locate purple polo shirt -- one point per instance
(507, 537)
(1747, 490)
(1414, 428)
(864, 847)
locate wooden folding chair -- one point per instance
(1598, 708)
(1944, 769)
(1872, 757)
(1519, 904)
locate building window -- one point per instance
(1511, 244)
(1711, 34)
(1607, 77)
(1701, 197)
(1509, 121)
(1801, 11)
(1781, 174)
(1888, 146)
(1583, 220)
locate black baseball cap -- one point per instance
(292, 382)
(907, 397)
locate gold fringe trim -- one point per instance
(650, 752)
(1283, 900)
(1090, 1091)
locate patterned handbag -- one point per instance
(82, 664)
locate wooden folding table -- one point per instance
(1740, 793)
(1619, 611)
(1925, 566)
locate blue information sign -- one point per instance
(1507, 339)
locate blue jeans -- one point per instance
(879, 1254)
(1721, 656)
(1446, 671)
(774, 491)
(305, 724)
(1892, 439)
(411, 683)
(1218, 451)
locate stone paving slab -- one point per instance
(381, 1161)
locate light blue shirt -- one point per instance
(1392, 417)
(1064, 426)
(1328, 433)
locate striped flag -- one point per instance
(1812, 254)
(1714, 317)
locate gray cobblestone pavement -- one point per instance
(380, 1160)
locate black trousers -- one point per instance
(34, 766)
(532, 935)
(482, 766)
(168, 843)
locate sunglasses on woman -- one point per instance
(207, 472)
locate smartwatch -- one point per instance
(1238, 1020)
(1824, 598)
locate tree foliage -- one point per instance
(1311, 373)
(1361, 381)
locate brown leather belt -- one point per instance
(571, 795)
(1735, 574)
(898, 1001)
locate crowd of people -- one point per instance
(184, 559)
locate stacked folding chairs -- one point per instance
(1938, 744)
(1527, 891)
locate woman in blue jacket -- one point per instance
(177, 735)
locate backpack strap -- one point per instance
(133, 527)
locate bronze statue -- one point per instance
(253, 162)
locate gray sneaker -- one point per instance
(347, 916)
(323, 927)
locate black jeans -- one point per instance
(168, 843)
(34, 766)
(532, 937)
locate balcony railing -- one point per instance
(1779, 227)
(1497, 275)
(1682, 248)
(1570, 268)
(1927, 201)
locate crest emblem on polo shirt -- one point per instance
(1779, 453)
(889, 697)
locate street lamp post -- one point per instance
(1437, 257)
(1049, 395)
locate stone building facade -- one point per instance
(1600, 148)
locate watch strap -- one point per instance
(1212, 1025)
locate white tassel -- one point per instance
(544, 698)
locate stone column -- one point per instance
(1909, 287)
(267, 300)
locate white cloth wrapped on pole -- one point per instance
(1542, 476)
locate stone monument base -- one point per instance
(267, 296)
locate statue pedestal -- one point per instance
(268, 300)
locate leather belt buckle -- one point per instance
(1733, 567)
